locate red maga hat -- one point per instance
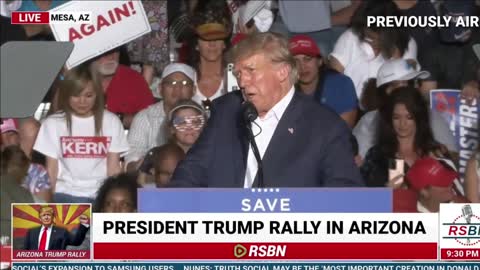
(303, 44)
(430, 172)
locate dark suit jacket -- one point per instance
(309, 148)
(59, 239)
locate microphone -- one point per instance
(249, 113)
(467, 213)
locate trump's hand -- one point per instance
(84, 220)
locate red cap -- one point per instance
(302, 44)
(430, 172)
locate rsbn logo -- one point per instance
(465, 228)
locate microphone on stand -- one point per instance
(249, 115)
(467, 213)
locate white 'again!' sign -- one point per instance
(114, 23)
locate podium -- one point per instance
(237, 200)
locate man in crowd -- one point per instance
(328, 86)
(126, 91)
(301, 143)
(148, 127)
(433, 181)
(51, 237)
(452, 64)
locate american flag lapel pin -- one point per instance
(290, 130)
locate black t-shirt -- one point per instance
(452, 65)
(425, 37)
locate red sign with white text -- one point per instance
(85, 147)
(30, 17)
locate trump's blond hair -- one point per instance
(274, 46)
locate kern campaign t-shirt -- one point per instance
(82, 156)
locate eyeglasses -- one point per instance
(182, 123)
(183, 83)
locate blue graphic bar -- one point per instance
(296, 200)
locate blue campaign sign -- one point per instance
(463, 119)
(296, 200)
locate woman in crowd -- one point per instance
(212, 26)
(36, 180)
(362, 49)
(15, 163)
(118, 194)
(392, 75)
(472, 179)
(14, 166)
(186, 121)
(82, 141)
(404, 134)
(185, 124)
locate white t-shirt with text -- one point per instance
(82, 156)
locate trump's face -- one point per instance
(260, 80)
(46, 218)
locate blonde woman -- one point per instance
(82, 141)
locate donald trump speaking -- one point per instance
(269, 134)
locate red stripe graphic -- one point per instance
(24, 215)
(76, 214)
(397, 251)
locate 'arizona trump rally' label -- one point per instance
(85, 147)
